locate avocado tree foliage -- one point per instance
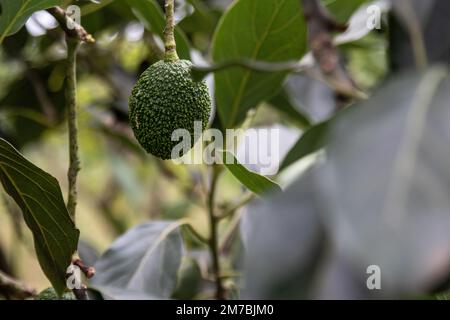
(360, 89)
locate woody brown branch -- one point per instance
(64, 20)
(321, 26)
(89, 272)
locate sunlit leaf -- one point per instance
(263, 30)
(256, 183)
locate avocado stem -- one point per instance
(71, 100)
(169, 38)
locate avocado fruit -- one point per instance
(164, 99)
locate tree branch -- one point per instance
(199, 72)
(71, 100)
(75, 35)
(214, 241)
(231, 209)
(321, 26)
(71, 28)
(197, 235)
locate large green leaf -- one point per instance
(263, 30)
(151, 15)
(256, 183)
(39, 196)
(283, 238)
(14, 13)
(386, 183)
(141, 264)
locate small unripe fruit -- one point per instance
(164, 99)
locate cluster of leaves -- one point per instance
(376, 172)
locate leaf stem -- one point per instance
(213, 240)
(71, 100)
(230, 233)
(169, 38)
(195, 233)
(230, 210)
(199, 72)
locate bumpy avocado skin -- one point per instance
(50, 294)
(165, 98)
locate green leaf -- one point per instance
(283, 104)
(386, 182)
(314, 139)
(254, 182)
(284, 241)
(342, 10)
(190, 280)
(94, 6)
(39, 196)
(141, 264)
(311, 141)
(151, 15)
(203, 20)
(263, 30)
(14, 13)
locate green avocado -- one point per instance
(50, 294)
(165, 98)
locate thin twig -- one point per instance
(70, 27)
(195, 233)
(321, 26)
(230, 233)
(199, 72)
(230, 210)
(81, 294)
(14, 289)
(75, 35)
(72, 119)
(213, 241)
(71, 100)
(89, 272)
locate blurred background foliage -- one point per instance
(121, 186)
